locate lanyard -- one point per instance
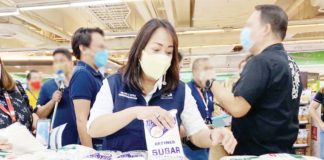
(207, 119)
(11, 111)
(202, 97)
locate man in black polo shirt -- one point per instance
(265, 102)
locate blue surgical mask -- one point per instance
(245, 39)
(101, 58)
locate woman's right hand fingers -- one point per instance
(164, 122)
(169, 119)
(157, 122)
(159, 116)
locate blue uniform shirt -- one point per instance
(85, 84)
(63, 113)
(132, 136)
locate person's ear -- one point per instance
(82, 48)
(267, 30)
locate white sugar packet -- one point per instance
(163, 144)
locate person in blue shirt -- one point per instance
(201, 70)
(89, 48)
(50, 95)
(147, 88)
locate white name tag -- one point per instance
(163, 144)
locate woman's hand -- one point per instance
(162, 118)
(4, 145)
(224, 137)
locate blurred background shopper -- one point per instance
(89, 49)
(53, 94)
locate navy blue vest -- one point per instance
(200, 102)
(132, 137)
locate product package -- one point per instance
(302, 137)
(163, 144)
(110, 155)
(306, 97)
(303, 115)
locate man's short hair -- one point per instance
(63, 51)
(197, 62)
(82, 36)
(276, 17)
(30, 73)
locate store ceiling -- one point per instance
(205, 27)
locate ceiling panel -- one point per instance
(205, 27)
(224, 13)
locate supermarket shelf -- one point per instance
(304, 104)
(300, 145)
(303, 122)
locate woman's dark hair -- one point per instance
(63, 51)
(82, 36)
(6, 81)
(132, 71)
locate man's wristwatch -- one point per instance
(209, 83)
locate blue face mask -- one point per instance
(245, 39)
(101, 58)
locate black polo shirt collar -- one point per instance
(274, 47)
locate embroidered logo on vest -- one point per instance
(169, 96)
(127, 95)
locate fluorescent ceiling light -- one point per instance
(30, 8)
(304, 41)
(94, 2)
(306, 25)
(203, 31)
(51, 5)
(120, 36)
(9, 13)
(321, 10)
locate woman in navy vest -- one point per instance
(147, 88)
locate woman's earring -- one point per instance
(164, 80)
